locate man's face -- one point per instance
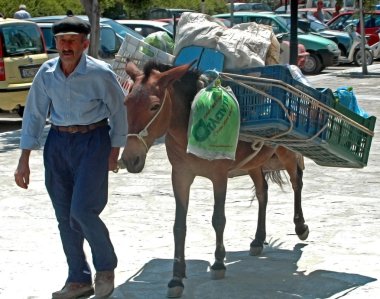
(71, 46)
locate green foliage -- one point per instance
(136, 9)
(110, 8)
(211, 6)
(41, 7)
(369, 5)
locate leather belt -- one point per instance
(80, 128)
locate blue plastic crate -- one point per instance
(283, 114)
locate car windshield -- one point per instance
(342, 22)
(121, 29)
(241, 6)
(49, 37)
(169, 27)
(286, 21)
(282, 21)
(118, 28)
(20, 39)
(316, 26)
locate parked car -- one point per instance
(305, 12)
(110, 42)
(371, 23)
(146, 27)
(22, 51)
(242, 6)
(322, 51)
(117, 27)
(111, 35)
(166, 13)
(348, 41)
(286, 8)
(314, 26)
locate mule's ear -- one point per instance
(176, 73)
(132, 70)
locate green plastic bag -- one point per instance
(160, 40)
(214, 124)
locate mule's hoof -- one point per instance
(305, 234)
(175, 292)
(255, 250)
(175, 288)
(218, 274)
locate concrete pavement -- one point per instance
(340, 259)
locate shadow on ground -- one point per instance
(273, 275)
(358, 75)
(9, 140)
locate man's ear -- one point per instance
(86, 43)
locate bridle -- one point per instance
(144, 132)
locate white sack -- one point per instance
(244, 45)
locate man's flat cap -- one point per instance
(71, 25)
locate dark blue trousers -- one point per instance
(76, 178)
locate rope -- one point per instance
(295, 91)
(256, 147)
(144, 132)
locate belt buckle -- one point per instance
(73, 129)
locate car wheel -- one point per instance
(313, 65)
(358, 59)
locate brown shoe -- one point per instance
(73, 290)
(104, 284)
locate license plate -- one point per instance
(29, 72)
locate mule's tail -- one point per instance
(276, 176)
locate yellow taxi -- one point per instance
(22, 51)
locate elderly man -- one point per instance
(22, 13)
(84, 101)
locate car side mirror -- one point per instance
(350, 28)
(280, 37)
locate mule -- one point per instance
(158, 104)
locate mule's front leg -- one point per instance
(181, 188)
(218, 269)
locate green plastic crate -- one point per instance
(343, 144)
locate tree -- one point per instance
(367, 6)
(92, 10)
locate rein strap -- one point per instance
(144, 132)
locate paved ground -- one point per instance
(340, 259)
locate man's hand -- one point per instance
(112, 160)
(22, 172)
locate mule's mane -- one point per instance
(154, 65)
(187, 86)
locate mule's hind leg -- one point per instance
(302, 230)
(218, 269)
(181, 188)
(290, 162)
(261, 188)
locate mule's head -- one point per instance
(149, 109)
